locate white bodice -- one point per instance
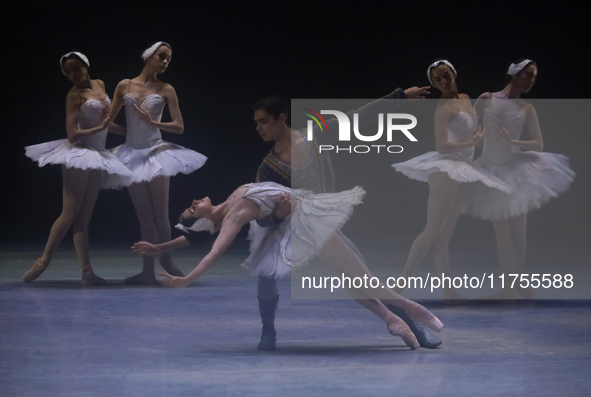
(139, 134)
(91, 115)
(461, 129)
(496, 150)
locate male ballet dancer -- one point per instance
(312, 170)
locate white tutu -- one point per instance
(162, 159)
(144, 152)
(88, 154)
(457, 165)
(420, 167)
(301, 236)
(534, 178)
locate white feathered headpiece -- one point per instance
(518, 67)
(80, 55)
(148, 52)
(437, 63)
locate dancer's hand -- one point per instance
(106, 115)
(282, 207)
(145, 248)
(173, 281)
(143, 115)
(417, 92)
(504, 134)
(478, 135)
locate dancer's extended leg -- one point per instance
(507, 258)
(142, 202)
(442, 196)
(440, 249)
(159, 188)
(340, 257)
(80, 229)
(74, 187)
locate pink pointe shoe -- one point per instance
(397, 327)
(35, 271)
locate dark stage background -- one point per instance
(226, 56)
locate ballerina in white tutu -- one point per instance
(307, 232)
(86, 164)
(533, 176)
(152, 160)
(448, 171)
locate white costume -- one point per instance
(144, 152)
(87, 154)
(301, 236)
(534, 177)
(458, 165)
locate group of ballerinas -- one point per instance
(143, 164)
(511, 178)
(498, 186)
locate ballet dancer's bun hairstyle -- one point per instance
(519, 65)
(148, 52)
(80, 57)
(274, 106)
(437, 63)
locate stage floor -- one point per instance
(59, 339)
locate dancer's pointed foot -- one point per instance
(89, 279)
(527, 293)
(452, 297)
(36, 270)
(419, 313)
(141, 278)
(171, 268)
(506, 295)
(397, 327)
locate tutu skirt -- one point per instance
(534, 178)
(113, 173)
(162, 159)
(300, 237)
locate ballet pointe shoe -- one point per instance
(90, 279)
(419, 313)
(35, 271)
(170, 267)
(423, 336)
(143, 278)
(397, 327)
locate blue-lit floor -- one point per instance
(59, 339)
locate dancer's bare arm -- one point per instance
(73, 103)
(536, 143)
(239, 215)
(443, 116)
(146, 248)
(175, 126)
(120, 91)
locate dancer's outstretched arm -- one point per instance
(227, 234)
(146, 248)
